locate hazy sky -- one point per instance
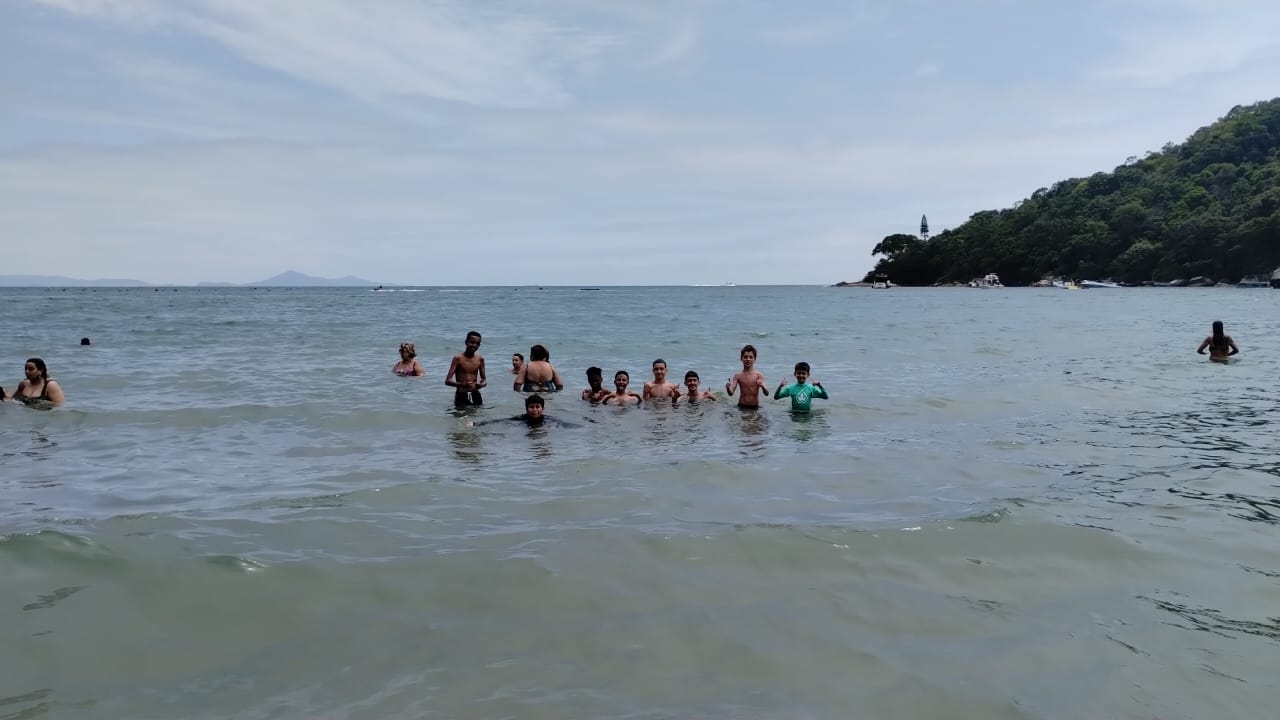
(574, 141)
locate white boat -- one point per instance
(1254, 281)
(1098, 284)
(881, 282)
(1065, 284)
(990, 280)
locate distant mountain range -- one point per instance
(284, 279)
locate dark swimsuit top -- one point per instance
(1219, 348)
(28, 399)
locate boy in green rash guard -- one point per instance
(802, 392)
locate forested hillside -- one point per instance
(1209, 206)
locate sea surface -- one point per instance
(1020, 503)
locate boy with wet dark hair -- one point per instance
(595, 391)
(750, 381)
(621, 395)
(692, 392)
(466, 373)
(802, 392)
(659, 387)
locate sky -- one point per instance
(572, 142)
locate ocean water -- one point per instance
(1017, 503)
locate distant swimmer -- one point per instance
(534, 416)
(466, 373)
(660, 387)
(802, 392)
(750, 381)
(84, 341)
(38, 389)
(1219, 344)
(692, 392)
(621, 395)
(408, 365)
(538, 375)
(595, 391)
(517, 362)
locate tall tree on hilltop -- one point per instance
(924, 227)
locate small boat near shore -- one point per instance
(1093, 284)
(988, 281)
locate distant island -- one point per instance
(1208, 208)
(289, 278)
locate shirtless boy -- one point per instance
(595, 391)
(466, 373)
(750, 381)
(621, 395)
(659, 387)
(692, 392)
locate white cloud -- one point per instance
(678, 45)
(928, 69)
(1204, 38)
(383, 49)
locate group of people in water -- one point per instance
(468, 375)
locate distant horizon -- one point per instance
(300, 279)
(141, 285)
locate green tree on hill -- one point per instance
(1209, 206)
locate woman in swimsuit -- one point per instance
(538, 375)
(38, 389)
(408, 365)
(1220, 345)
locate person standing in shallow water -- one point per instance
(37, 388)
(1219, 344)
(595, 391)
(750, 381)
(538, 375)
(408, 365)
(466, 373)
(621, 395)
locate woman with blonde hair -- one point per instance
(408, 365)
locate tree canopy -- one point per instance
(1209, 206)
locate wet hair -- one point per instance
(1217, 331)
(538, 352)
(802, 365)
(534, 400)
(518, 355)
(84, 341)
(691, 374)
(409, 348)
(659, 361)
(594, 371)
(748, 349)
(44, 369)
(623, 373)
(474, 334)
